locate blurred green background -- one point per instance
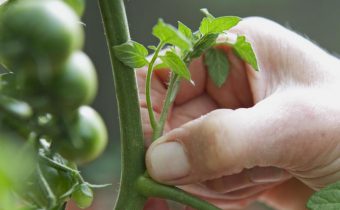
(315, 19)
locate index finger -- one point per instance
(187, 91)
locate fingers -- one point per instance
(233, 196)
(235, 92)
(247, 178)
(283, 56)
(158, 91)
(291, 194)
(224, 142)
(192, 109)
(156, 204)
(187, 91)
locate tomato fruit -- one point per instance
(83, 196)
(89, 137)
(38, 34)
(76, 82)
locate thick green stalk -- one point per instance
(116, 28)
(135, 188)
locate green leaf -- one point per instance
(170, 35)
(132, 54)
(207, 13)
(326, 199)
(160, 66)
(196, 35)
(152, 47)
(185, 30)
(218, 66)
(176, 64)
(203, 44)
(245, 51)
(218, 25)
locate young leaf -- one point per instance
(131, 54)
(185, 30)
(196, 35)
(160, 66)
(168, 34)
(207, 13)
(218, 66)
(218, 25)
(176, 64)
(326, 199)
(245, 51)
(152, 47)
(202, 44)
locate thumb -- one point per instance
(225, 142)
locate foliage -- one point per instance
(44, 97)
(183, 46)
(326, 199)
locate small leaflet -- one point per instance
(132, 54)
(176, 64)
(168, 34)
(218, 65)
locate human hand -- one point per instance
(258, 129)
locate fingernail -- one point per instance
(228, 37)
(266, 174)
(169, 161)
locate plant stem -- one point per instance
(132, 141)
(57, 165)
(50, 195)
(170, 97)
(152, 117)
(150, 188)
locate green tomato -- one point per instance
(89, 137)
(77, 5)
(76, 82)
(83, 196)
(38, 34)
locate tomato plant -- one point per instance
(42, 98)
(50, 82)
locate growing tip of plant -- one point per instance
(206, 13)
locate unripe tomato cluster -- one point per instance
(46, 93)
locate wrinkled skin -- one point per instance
(272, 135)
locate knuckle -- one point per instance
(206, 143)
